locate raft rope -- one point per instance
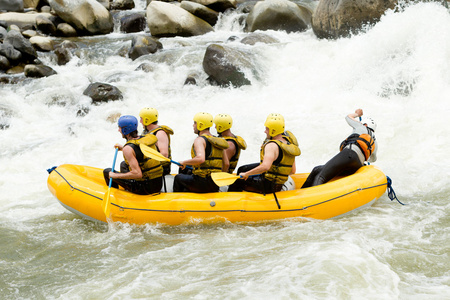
(71, 186)
(391, 192)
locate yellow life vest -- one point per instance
(169, 132)
(364, 141)
(282, 166)
(150, 168)
(213, 159)
(240, 144)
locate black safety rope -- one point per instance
(390, 190)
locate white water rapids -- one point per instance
(398, 72)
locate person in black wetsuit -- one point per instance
(359, 147)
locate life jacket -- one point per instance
(282, 166)
(169, 132)
(240, 144)
(150, 168)
(213, 156)
(365, 142)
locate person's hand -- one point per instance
(182, 165)
(243, 175)
(111, 175)
(118, 146)
(359, 112)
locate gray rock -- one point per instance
(254, 38)
(10, 53)
(168, 20)
(102, 92)
(65, 30)
(37, 71)
(217, 5)
(20, 43)
(122, 4)
(278, 15)
(340, 19)
(143, 45)
(201, 11)
(45, 25)
(11, 5)
(4, 63)
(224, 65)
(133, 23)
(85, 15)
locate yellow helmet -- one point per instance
(275, 123)
(148, 115)
(203, 120)
(223, 122)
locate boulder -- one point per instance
(10, 53)
(45, 25)
(42, 43)
(224, 65)
(37, 71)
(21, 19)
(3, 33)
(278, 15)
(168, 20)
(334, 19)
(65, 30)
(29, 33)
(146, 67)
(4, 63)
(133, 23)
(31, 3)
(102, 92)
(11, 5)
(85, 15)
(254, 38)
(201, 11)
(20, 43)
(63, 53)
(122, 4)
(143, 45)
(217, 5)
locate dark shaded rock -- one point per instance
(201, 11)
(63, 56)
(133, 23)
(122, 4)
(45, 25)
(37, 71)
(102, 92)
(4, 63)
(218, 5)
(146, 67)
(224, 65)
(11, 5)
(143, 45)
(190, 80)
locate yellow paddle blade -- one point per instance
(105, 203)
(223, 178)
(152, 153)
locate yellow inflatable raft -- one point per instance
(81, 190)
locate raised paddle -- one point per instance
(105, 204)
(154, 154)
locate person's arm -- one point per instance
(294, 169)
(351, 118)
(163, 143)
(227, 154)
(199, 148)
(135, 170)
(271, 153)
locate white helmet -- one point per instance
(370, 123)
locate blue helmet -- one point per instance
(128, 124)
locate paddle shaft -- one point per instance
(106, 200)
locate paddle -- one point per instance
(224, 178)
(105, 204)
(152, 153)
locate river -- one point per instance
(398, 72)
